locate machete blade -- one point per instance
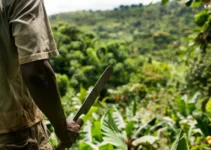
(94, 93)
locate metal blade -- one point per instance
(94, 93)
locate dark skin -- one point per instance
(40, 80)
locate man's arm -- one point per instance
(40, 79)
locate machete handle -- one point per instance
(76, 118)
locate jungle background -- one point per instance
(159, 95)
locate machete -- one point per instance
(89, 101)
(94, 93)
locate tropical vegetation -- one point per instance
(159, 95)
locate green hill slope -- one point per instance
(148, 28)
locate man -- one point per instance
(27, 79)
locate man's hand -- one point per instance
(72, 133)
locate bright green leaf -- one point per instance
(180, 143)
(163, 2)
(110, 132)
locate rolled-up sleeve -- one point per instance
(31, 31)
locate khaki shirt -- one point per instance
(25, 36)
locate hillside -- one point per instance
(153, 27)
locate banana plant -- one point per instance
(123, 134)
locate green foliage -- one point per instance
(111, 133)
(203, 122)
(63, 83)
(129, 128)
(180, 142)
(201, 18)
(136, 24)
(129, 92)
(161, 78)
(164, 2)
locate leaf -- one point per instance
(203, 123)
(110, 132)
(89, 114)
(54, 140)
(181, 106)
(82, 95)
(189, 3)
(86, 146)
(96, 131)
(172, 109)
(129, 128)
(180, 143)
(196, 4)
(134, 108)
(87, 68)
(87, 132)
(208, 107)
(201, 18)
(163, 2)
(118, 119)
(92, 55)
(145, 139)
(106, 147)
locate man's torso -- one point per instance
(17, 109)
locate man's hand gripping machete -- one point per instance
(91, 97)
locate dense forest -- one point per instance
(159, 95)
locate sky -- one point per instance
(58, 6)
